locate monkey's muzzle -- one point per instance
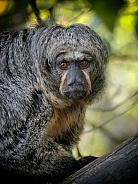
(75, 93)
(75, 85)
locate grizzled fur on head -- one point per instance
(48, 43)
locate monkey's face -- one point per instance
(74, 69)
(74, 64)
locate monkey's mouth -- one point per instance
(75, 94)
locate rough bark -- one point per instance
(118, 167)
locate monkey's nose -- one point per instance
(75, 76)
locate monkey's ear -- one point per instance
(47, 66)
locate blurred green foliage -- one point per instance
(115, 117)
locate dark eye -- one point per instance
(84, 64)
(64, 65)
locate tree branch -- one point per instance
(135, 94)
(117, 167)
(113, 117)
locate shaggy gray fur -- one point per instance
(30, 98)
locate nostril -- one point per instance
(71, 81)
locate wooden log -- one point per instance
(118, 167)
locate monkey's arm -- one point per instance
(53, 169)
(26, 150)
(57, 162)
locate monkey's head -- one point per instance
(72, 62)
